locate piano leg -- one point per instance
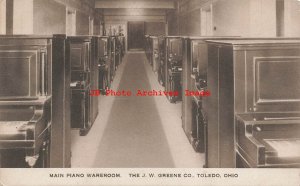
(44, 155)
(171, 87)
(85, 105)
(106, 82)
(31, 160)
(44, 160)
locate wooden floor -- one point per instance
(135, 132)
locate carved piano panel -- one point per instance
(24, 64)
(281, 95)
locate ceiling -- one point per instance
(135, 4)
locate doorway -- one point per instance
(136, 35)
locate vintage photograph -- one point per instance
(149, 90)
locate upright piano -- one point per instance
(123, 43)
(95, 56)
(154, 56)
(112, 49)
(121, 47)
(34, 112)
(147, 47)
(104, 63)
(79, 50)
(173, 66)
(254, 108)
(118, 52)
(194, 78)
(161, 63)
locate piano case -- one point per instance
(173, 67)
(80, 52)
(26, 117)
(103, 63)
(254, 108)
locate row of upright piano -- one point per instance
(46, 82)
(252, 116)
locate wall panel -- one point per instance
(155, 28)
(291, 18)
(82, 23)
(172, 19)
(49, 17)
(255, 18)
(22, 17)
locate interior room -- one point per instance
(149, 83)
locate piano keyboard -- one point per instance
(285, 148)
(10, 127)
